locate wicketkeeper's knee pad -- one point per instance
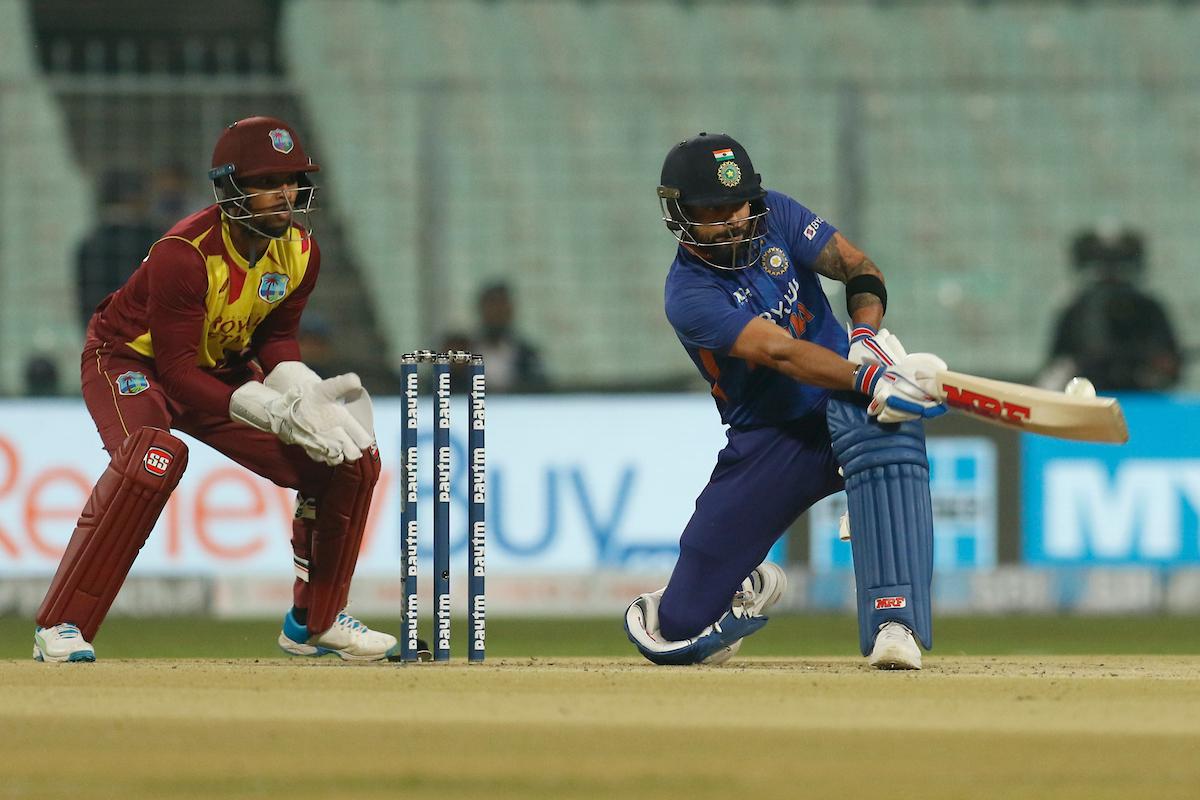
(341, 512)
(887, 488)
(118, 516)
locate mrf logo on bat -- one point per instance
(987, 405)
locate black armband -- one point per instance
(865, 284)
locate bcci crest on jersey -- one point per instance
(131, 383)
(775, 261)
(272, 287)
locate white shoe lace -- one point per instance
(66, 630)
(344, 620)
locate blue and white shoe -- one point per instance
(350, 639)
(62, 642)
(717, 643)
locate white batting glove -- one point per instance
(868, 346)
(904, 391)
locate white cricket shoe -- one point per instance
(895, 648)
(62, 642)
(763, 588)
(720, 641)
(350, 639)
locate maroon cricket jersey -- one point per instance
(195, 305)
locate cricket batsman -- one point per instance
(809, 412)
(184, 345)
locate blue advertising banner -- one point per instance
(1136, 503)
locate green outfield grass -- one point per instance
(792, 635)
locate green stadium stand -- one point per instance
(44, 210)
(960, 144)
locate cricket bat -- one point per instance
(1027, 408)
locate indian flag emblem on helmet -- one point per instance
(272, 287)
(729, 173)
(775, 261)
(281, 140)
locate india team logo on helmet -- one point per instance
(131, 383)
(729, 174)
(775, 261)
(281, 140)
(272, 287)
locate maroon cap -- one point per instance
(259, 146)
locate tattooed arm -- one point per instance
(840, 260)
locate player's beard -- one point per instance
(275, 225)
(731, 255)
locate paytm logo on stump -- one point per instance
(1137, 504)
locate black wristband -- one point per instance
(865, 284)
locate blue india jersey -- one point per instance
(708, 308)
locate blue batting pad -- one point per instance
(891, 519)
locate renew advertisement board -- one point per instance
(576, 484)
(1133, 504)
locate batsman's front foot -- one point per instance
(350, 639)
(62, 642)
(895, 648)
(763, 588)
(720, 641)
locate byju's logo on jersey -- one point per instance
(281, 140)
(810, 232)
(131, 383)
(775, 261)
(157, 461)
(272, 287)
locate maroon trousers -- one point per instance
(123, 394)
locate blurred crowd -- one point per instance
(1112, 332)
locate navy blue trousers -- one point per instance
(764, 479)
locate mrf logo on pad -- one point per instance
(157, 461)
(882, 603)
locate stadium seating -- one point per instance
(44, 210)
(961, 144)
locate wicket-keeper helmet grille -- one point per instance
(253, 147)
(707, 171)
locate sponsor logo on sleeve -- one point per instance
(810, 232)
(157, 461)
(131, 383)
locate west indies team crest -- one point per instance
(272, 287)
(131, 383)
(281, 140)
(775, 261)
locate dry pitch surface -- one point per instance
(978, 727)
